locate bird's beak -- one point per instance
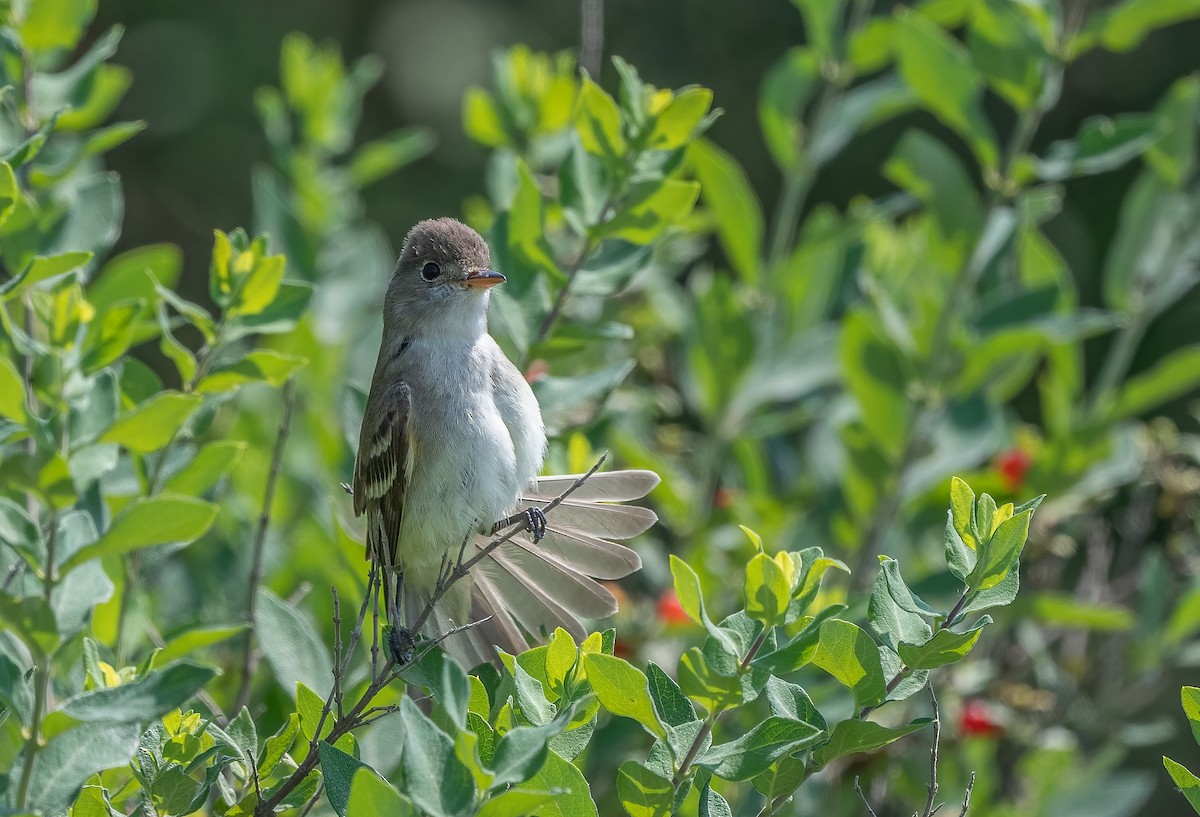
(483, 279)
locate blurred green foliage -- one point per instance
(171, 443)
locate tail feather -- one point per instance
(528, 589)
(603, 486)
(590, 555)
(538, 610)
(598, 519)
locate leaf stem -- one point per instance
(249, 654)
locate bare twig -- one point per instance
(249, 654)
(862, 796)
(967, 796)
(930, 807)
(362, 713)
(337, 650)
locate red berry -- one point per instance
(1012, 465)
(723, 498)
(622, 649)
(670, 611)
(975, 720)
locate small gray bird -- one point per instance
(452, 443)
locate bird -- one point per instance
(451, 446)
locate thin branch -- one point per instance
(967, 796)
(560, 299)
(337, 650)
(249, 654)
(930, 807)
(862, 796)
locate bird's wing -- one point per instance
(383, 467)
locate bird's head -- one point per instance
(441, 282)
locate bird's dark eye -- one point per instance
(430, 271)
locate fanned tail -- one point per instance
(523, 590)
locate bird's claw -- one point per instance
(400, 644)
(535, 523)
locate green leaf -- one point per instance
(753, 753)
(291, 645)
(852, 657)
(280, 315)
(767, 590)
(946, 647)
(940, 72)
(822, 21)
(710, 689)
(339, 771)
(644, 793)
(33, 620)
(1144, 229)
(1173, 376)
(372, 796)
(893, 612)
(309, 706)
(622, 689)
(516, 803)
(259, 286)
(874, 372)
(930, 171)
(713, 804)
(110, 336)
(792, 703)
(10, 191)
(482, 121)
(211, 463)
(863, 106)
(150, 696)
(1063, 610)
(853, 736)
(521, 751)
(385, 156)
(1001, 553)
(1173, 155)
(154, 423)
(148, 522)
(12, 393)
(1101, 144)
(131, 275)
(1187, 783)
(787, 88)
(674, 127)
(598, 123)
(1007, 48)
(43, 268)
(575, 799)
(260, 366)
(51, 24)
(70, 758)
(434, 778)
(733, 205)
(687, 589)
(672, 708)
(192, 641)
(1123, 27)
(1190, 698)
(278, 745)
(561, 655)
(650, 209)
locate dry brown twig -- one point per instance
(362, 712)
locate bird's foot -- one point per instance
(535, 523)
(400, 644)
(534, 519)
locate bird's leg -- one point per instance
(534, 519)
(400, 640)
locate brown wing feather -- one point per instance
(381, 468)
